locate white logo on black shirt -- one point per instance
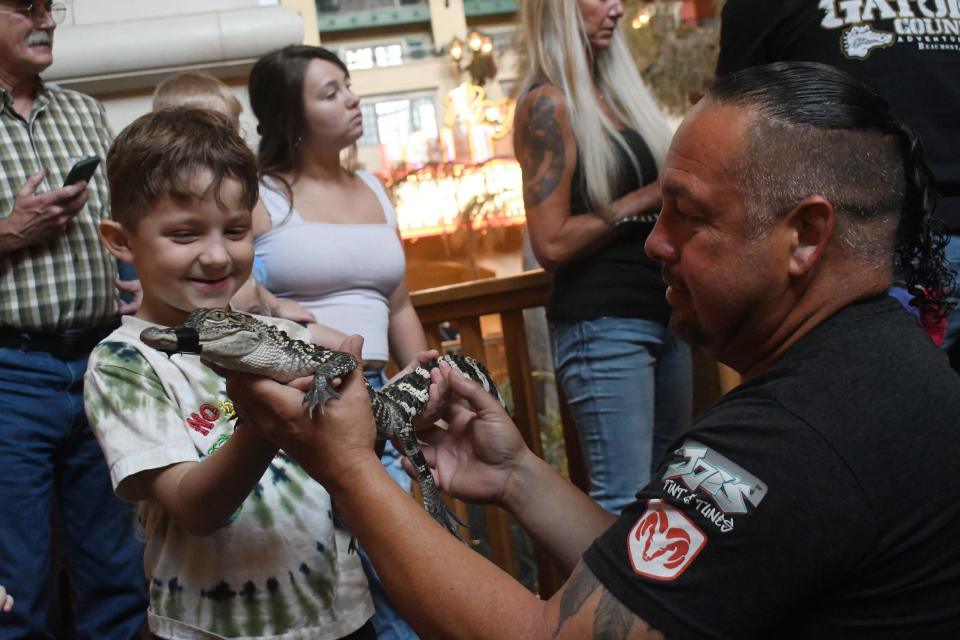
(931, 24)
(859, 42)
(730, 487)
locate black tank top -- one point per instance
(618, 279)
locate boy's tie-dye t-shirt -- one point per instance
(279, 569)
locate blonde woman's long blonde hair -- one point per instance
(558, 55)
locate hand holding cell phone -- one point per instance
(37, 217)
(82, 171)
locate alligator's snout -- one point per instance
(171, 341)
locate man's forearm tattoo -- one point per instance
(541, 152)
(581, 586)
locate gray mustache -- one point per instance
(38, 37)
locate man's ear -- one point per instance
(116, 239)
(809, 230)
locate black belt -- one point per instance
(68, 344)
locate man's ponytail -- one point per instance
(921, 236)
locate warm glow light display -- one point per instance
(642, 19)
(456, 50)
(433, 200)
(469, 185)
(475, 41)
(482, 120)
(468, 104)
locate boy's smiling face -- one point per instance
(193, 253)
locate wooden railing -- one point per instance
(500, 303)
(488, 316)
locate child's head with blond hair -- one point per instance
(200, 90)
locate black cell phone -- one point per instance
(82, 170)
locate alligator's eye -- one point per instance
(217, 314)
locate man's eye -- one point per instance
(182, 235)
(237, 232)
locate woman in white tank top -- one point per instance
(327, 235)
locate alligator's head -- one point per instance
(221, 335)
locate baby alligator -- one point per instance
(241, 342)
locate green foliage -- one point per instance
(675, 59)
(551, 427)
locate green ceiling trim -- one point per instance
(365, 19)
(474, 8)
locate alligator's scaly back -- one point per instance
(240, 342)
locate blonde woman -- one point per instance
(590, 140)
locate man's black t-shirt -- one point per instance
(817, 500)
(908, 51)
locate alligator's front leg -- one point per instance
(337, 365)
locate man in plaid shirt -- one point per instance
(58, 297)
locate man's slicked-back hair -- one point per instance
(819, 131)
(161, 154)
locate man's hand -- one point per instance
(422, 358)
(39, 217)
(475, 458)
(328, 445)
(437, 392)
(130, 286)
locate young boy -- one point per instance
(201, 90)
(239, 541)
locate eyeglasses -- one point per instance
(36, 11)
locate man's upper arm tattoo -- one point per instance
(612, 620)
(541, 151)
(581, 586)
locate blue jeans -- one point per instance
(953, 320)
(388, 622)
(628, 384)
(47, 450)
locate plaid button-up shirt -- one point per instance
(66, 282)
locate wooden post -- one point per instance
(576, 464)
(498, 525)
(526, 419)
(521, 380)
(465, 303)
